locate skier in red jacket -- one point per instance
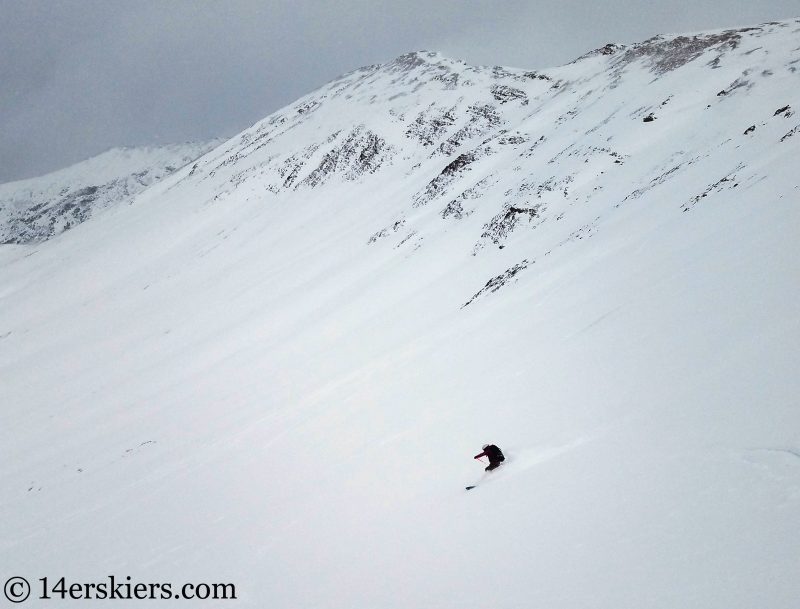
(495, 455)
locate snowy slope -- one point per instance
(274, 367)
(40, 208)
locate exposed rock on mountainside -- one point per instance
(361, 152)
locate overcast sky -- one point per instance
(80, 76)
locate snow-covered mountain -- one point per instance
(272, 369)
(40, 208)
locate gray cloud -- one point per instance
(80, 76)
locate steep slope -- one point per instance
(273, 367)
(40, 208)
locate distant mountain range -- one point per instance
(37, 209)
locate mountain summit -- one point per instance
(273, 367)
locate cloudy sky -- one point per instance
(80, 76)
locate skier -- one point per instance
(495, 456)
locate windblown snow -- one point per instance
(274, 366)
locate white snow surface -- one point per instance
(40, 208)
(265, 371)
